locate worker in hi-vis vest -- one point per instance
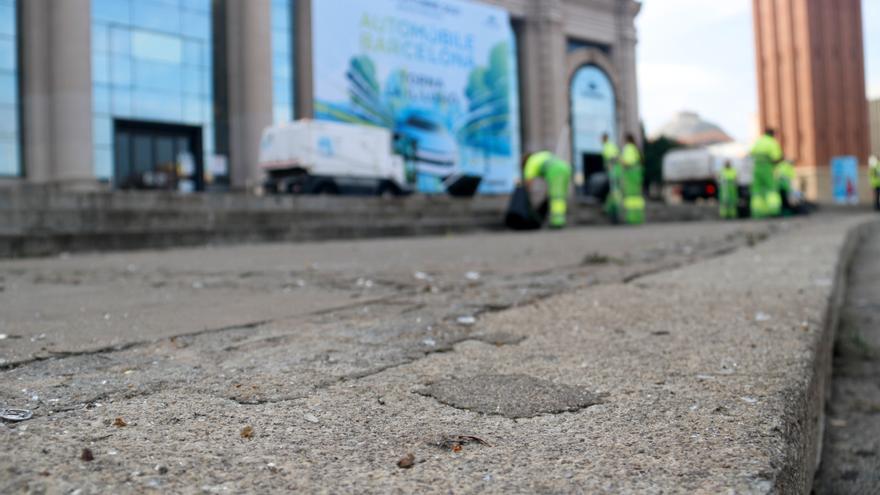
(610, 156)
(557, 174)
(728, 192)
(632, 179)
(766, 152)
(874, 171)
(785, 176)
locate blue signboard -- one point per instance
(440, 74)
(845, 179)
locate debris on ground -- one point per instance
(16, 415)
(119, 423)
(466, 320)
(472, 276)
(499, 339)
(407, 461)
(761, 316)
(87, 455)
(455, 443)
(311, 418)
(247, 432)
(599, 259)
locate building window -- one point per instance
(151, 62)
(593, 113)
(282, 60)
(10, 145)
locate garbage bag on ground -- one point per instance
(520, 214)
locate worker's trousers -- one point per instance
(614, 202)
(633, 199)
(558, 175)
(728, 199)
(765, 201)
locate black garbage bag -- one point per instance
(521, 215)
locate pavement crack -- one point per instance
(59, 355)
(52, 355)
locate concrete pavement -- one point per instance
(682, 358)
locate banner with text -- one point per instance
(440, 74)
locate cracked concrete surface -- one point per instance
(321, 348)
(511, 396)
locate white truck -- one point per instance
(317, 157)
(695, 173)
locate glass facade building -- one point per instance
(282, 60)
(151, 64)
(10, 144)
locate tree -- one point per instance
(655, 150)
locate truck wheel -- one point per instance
(388, 190)
(271, 188)
(327, 187)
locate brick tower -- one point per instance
(811, 83)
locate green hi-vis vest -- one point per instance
(766, 150)
(610, 152)
(874, 172)
(535, 165)
(728, 175)
(631, 155)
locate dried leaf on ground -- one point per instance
(247, 432)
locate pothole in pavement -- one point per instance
(511, 396)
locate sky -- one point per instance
(699, 55)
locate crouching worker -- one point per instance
(557, 174)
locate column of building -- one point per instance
(543, 83)
(57, 92)
(624, 59)
(249, 72)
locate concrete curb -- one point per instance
(42, 222)
(819, 387)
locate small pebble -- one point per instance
(407, 461)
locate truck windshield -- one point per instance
(421, 123)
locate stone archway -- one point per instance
(577, 59)
(594, 107)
